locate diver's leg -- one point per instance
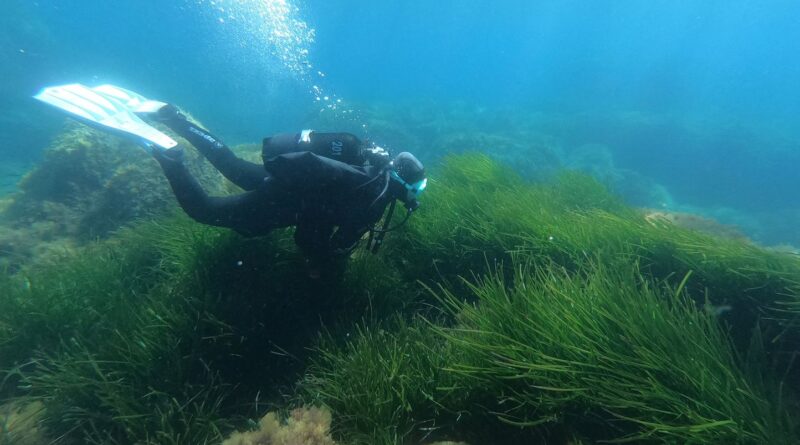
(252, 213)
(246, 175)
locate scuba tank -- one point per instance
(343, 147)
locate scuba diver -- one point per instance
(333, 187)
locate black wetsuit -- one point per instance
(332, 203)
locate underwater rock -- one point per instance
(694, 222)
(19, 424)
(307, 426)
(24, 244)
(88, 185)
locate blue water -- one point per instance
(701, 98)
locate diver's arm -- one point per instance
(247, 175)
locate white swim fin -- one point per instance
(109, 108)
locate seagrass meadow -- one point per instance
(504, 312)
